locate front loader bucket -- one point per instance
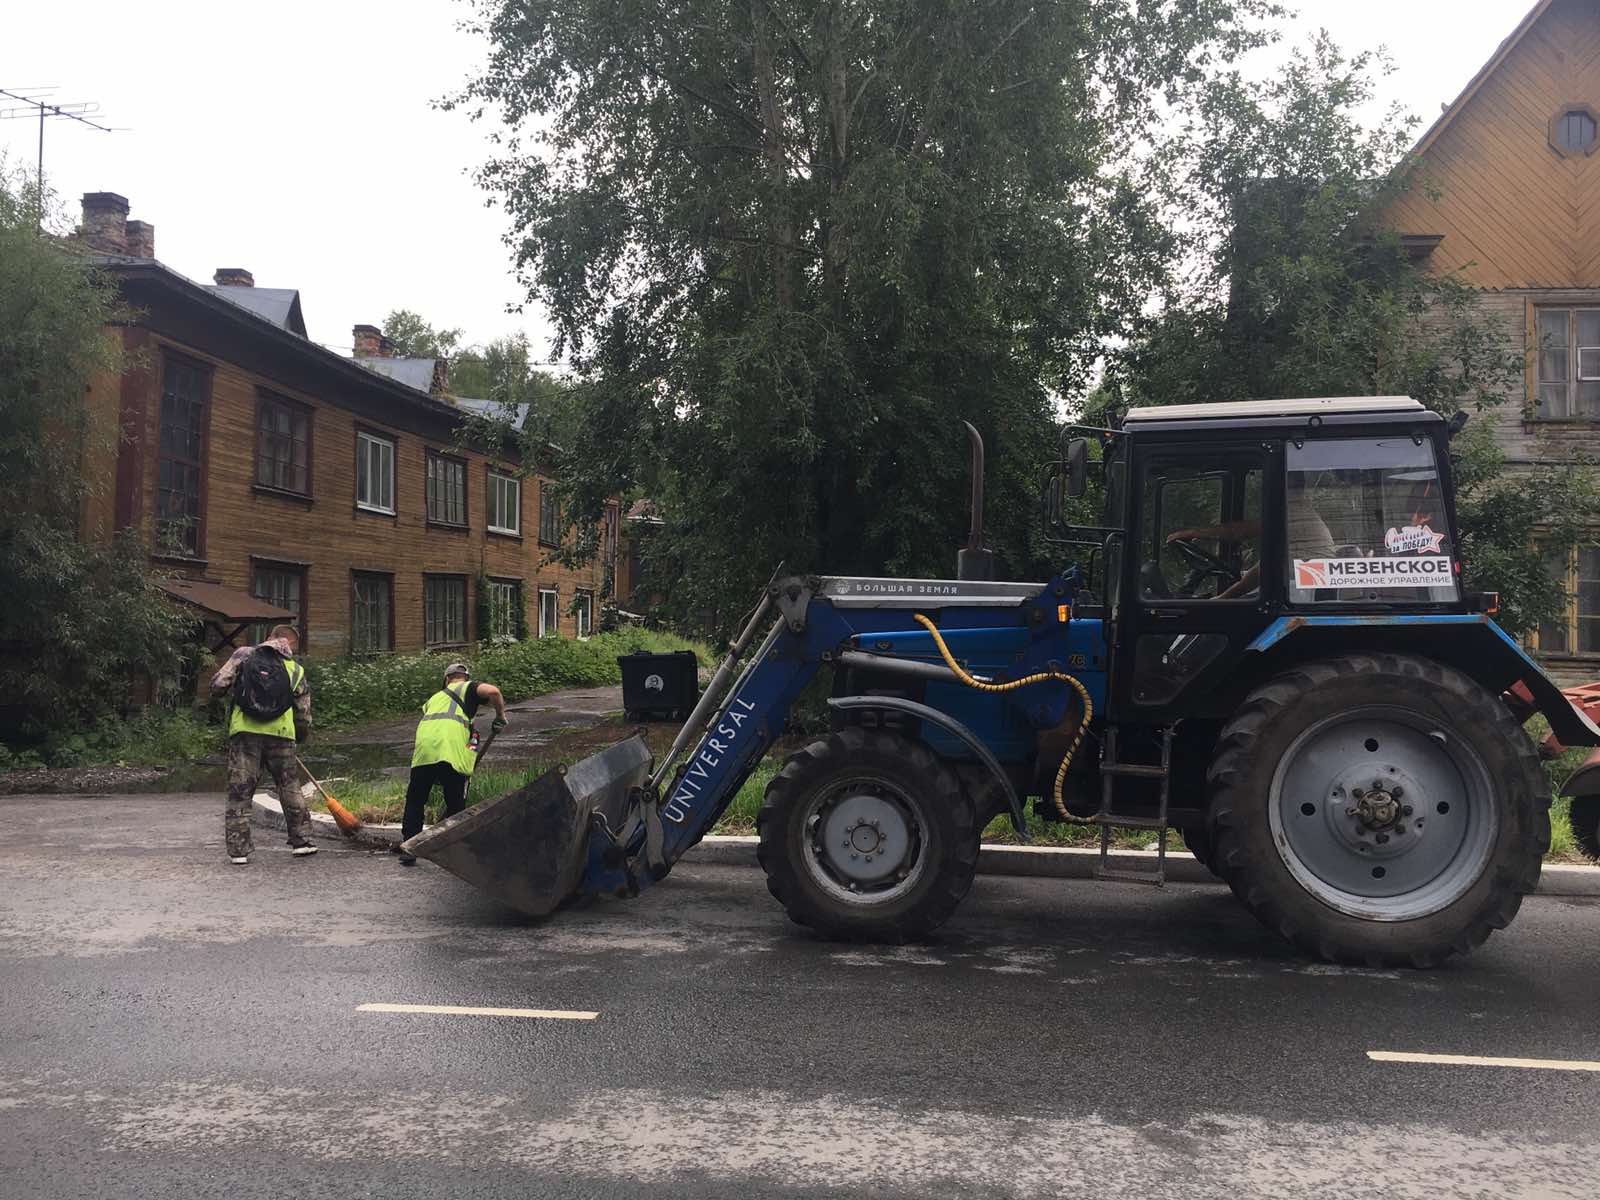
(529, 848)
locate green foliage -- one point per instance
(413, 337)
(83, 621)
(154, 737)
(348, 690)
(789, 245)
(1293, 292)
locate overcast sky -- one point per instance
(296, 139)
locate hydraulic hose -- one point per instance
(1040, 677)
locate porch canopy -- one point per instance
(227, 612)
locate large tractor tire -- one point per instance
(867, 836)
(1378, 809)
(1584, 816)
(1200, 846)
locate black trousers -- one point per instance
(423, 778)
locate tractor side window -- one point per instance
(1201, 532)
(1365, 522)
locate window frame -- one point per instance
(429, 467)
(203, 383)
(583, 613)
(495, 476)
(273, 400)
(430, 580)
(258, 566)
(554, 628)
(496, 583)
(1572, 614)
(387, 579)
(1573, 348)
(1553, 131)
(549, 527)
(375, 435)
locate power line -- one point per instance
(32, 102)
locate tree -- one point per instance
(413, 337)
(789, 244)
(83, 620)
(1290, 289)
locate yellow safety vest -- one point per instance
(281, 726)
(442, 732)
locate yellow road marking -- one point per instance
(462, 1010)
(1473, 1060)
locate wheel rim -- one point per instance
(1382, 813)
(863, 841)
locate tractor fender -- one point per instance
(957, 730)
(1470, 642)
(1585, 781)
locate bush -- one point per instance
(156, 737)
(348, 690)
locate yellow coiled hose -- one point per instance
(1083, 693)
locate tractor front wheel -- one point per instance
(867, 836)
(1378, 809)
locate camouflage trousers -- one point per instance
(247, 754)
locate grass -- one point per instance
(382, 800)
(350, 691)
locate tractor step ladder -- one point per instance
(1110, 770)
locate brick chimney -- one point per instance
(370, 343)
(105, 222)
(439, 387)
(233, 277)
(140, 237)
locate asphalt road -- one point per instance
(171, 1026)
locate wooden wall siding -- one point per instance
(330, 536)
(1514, 213)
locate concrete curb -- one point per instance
(1040, 862)
(1065, 862)
(268, 813)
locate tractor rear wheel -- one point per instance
(1378, 809)
(867, 836)
(1584, 816)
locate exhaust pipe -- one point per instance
(973, 561)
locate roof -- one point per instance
(1234, 410)
(1467, 93)
(281, 306)
(413, 372)
(223, 603)
(495, 409)
(154, 271)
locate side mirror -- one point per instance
(1077, 468)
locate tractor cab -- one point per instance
(1224, 519)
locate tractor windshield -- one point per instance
(1367, 523)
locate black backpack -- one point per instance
(261, 690)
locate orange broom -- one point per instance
(342, 816)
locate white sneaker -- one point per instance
(302, 851)
(239, 860)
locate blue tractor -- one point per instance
(1265, 644)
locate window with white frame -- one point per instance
(374, 473)
(505, 599)
(1569, 363)
(583, 611)
(505, 503)
(549, 613)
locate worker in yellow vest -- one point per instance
(443, 754)
(270, 711)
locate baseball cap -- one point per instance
(457, 668)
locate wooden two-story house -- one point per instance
(1507, 198)
(335, 488)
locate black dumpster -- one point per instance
(659, 685)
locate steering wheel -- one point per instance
(1202, 565)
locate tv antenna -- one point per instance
(37, 102)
